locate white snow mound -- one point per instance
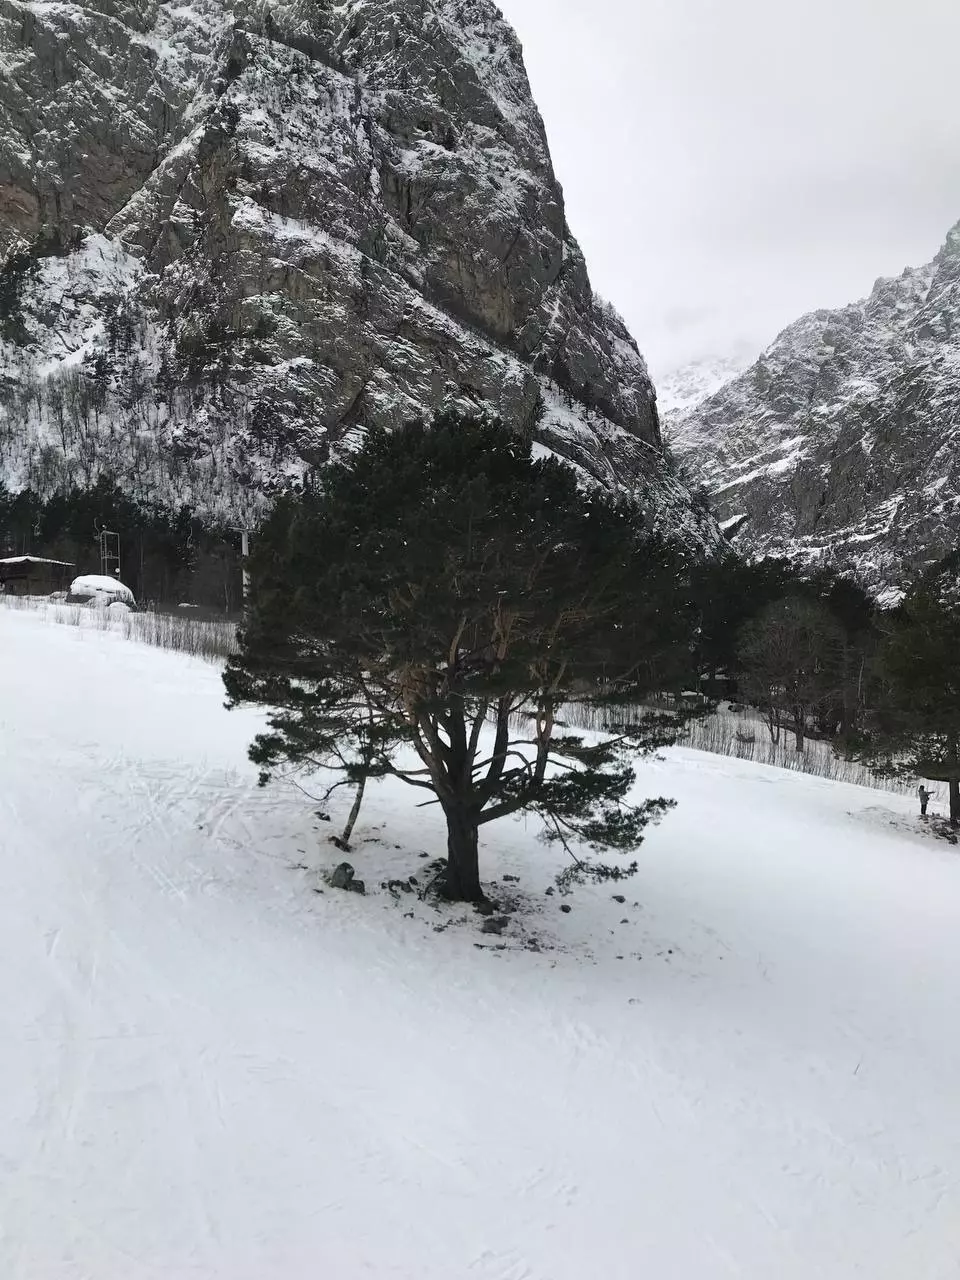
(95, 588)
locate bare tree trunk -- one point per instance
(953, 761)
(343, 842)
(852, 687)
(799, 729)
(773, 723)
(462, 882)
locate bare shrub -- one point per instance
(742, 735)
(211, 641)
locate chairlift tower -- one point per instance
(109, 553)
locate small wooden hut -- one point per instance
(34, 575)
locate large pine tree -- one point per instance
(427, 612)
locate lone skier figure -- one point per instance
(924, 795)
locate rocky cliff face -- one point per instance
(842, 443)
(238, 230)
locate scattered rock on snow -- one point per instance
(566, 909)
(618, 897)
(344, 877)
(495, 924)
(397, 887)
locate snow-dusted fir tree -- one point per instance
(428, 612)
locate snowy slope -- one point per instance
(840, 443)
(210, 1071)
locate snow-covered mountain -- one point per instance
(841, 442)
(237, 230)
(683, 388)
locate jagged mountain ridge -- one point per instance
(237, 231)
(841, 443)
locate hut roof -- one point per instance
(26, 562)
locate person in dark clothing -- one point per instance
(924, 795)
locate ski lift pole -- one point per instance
(109, 553)
(245, 566)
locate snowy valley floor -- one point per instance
(209, 1070)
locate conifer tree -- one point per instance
(427, 612)
(913, 726)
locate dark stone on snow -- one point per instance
(342, 877)
(397, 886)
(485, 908)
(618, 897)
(512, 879)
(495, 924)
(566, 909)
(356, 886)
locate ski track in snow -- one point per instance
(210, 1071)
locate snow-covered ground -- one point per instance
(749, 1069)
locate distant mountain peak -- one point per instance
(952, 245)
(682, 388)
(841, 444)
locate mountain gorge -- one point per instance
(840, 444)
(237, 231)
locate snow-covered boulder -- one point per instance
(100, 592)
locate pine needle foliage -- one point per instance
(426, 613)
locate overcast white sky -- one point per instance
(730, 164)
